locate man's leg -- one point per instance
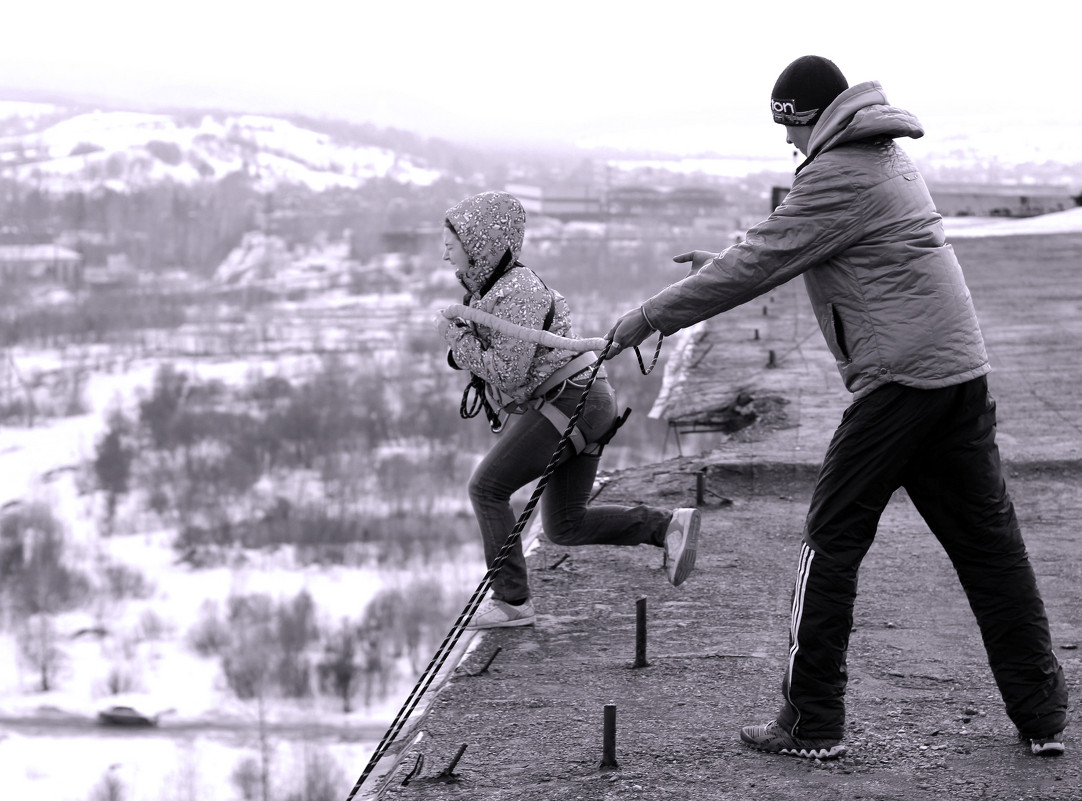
(861, 470)
(958, 488)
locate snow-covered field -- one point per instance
(1061, 222)
(51, 748)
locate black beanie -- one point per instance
(804, 89)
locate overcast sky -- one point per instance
(667, 73)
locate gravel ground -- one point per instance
(925, 718)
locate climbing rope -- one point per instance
(474, 399)
(459, 627)
(536, 335)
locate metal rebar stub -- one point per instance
(447, 775)
(640, 634)
(417, 766)
(559, 561)
(608, 749)
(485, 667)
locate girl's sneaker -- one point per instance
(493, 614)
(681, 541)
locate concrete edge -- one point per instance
(412, 732)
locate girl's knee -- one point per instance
(563, 531)
(479, 489)
(485, 489)
(559, 536)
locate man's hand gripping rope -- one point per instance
(630, 331)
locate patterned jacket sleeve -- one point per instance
(504, 361)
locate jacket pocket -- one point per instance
(837, 329)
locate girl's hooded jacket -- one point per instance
(860, 225)
(491, 227)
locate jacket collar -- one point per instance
(860, 112)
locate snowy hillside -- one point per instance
(125, 150)
(57, 149)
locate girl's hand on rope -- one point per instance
(629, 331)
(698, 259)
(450, 328)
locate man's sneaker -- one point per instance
(493, 614)
(1052, 745)
(680, 542)
(775, 740)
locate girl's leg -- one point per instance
(566, 515)
(569, 520)
(521, 452)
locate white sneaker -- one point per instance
(680, 542)
(493, 614)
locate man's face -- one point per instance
(799, 136)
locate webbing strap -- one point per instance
(572, 368)
(559, 421)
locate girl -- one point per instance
(540, 388)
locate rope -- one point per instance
(474, 400)
(535, 335)
(455, 634)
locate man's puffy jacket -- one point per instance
(860, 225)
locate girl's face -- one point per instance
(455, 254)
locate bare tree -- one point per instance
(39, 646)
(321, 777)
(340, 670)
(109, 788)
(113, 462)
(248, 663)
(246, 778)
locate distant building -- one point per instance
(582, 202)
(414, 241)
(635, 201)
(692, 202)
(561, 201)
(27, 264)
(984, 200)
(116, 272)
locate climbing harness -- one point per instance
(475, 395)
(459, 627)
(561, 422)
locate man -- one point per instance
(892, 302)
